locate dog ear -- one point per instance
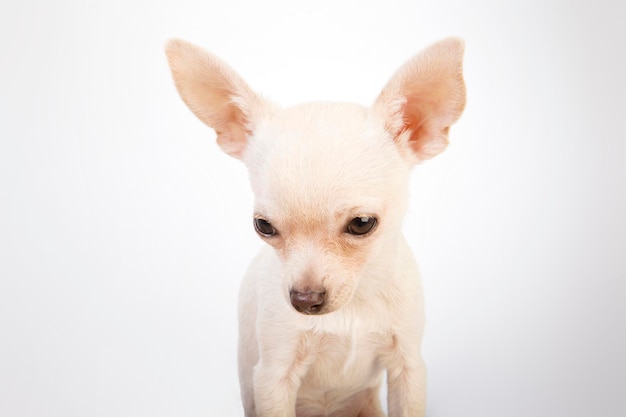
(424, 98)
(216, 94)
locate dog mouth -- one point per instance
(309, 302)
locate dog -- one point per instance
(334, 300)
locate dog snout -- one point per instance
(309, 302)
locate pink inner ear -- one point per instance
(232, 138)
(427, 143)
(427, 121)
(424, 98)
(426, 117)
(232, 128)
(216, 94)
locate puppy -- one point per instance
(334, 299)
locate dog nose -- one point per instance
(309, 302)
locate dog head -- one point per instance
(329, 179)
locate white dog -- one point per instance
(334, 299)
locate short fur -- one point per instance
(313, 169)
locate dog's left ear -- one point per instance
(216, 94)
(424, 98)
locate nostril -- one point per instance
(309, 302)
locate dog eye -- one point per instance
(263, 227)
(361, 225)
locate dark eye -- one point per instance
(263, 227)
(361, 225)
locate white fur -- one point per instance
(313, 168)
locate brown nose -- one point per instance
(309, 302)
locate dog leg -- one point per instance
(371, 407)
(279, 373)
(407, 386)
(248, 356)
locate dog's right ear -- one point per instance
(216, 94)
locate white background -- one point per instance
(124, 230)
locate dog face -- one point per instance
(329, 179)
(329, 186)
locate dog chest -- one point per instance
(345, 363)
(343, 372)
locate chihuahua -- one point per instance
(334, 300)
